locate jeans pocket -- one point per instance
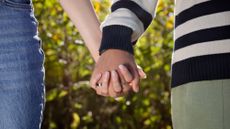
(19, 4)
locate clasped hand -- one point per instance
(116, 73)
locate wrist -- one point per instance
(116, 37)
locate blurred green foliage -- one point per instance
(71, 104)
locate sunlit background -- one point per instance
(71, 104)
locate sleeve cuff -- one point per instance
(116, 37)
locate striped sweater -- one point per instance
(201, 35)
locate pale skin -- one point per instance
(117, 77)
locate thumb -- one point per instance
(135, 82)
(141, 73)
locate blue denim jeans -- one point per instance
(21, 67)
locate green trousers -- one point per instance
(201, 105)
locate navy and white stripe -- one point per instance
(201, 9)
(135, 14)
(202, 42)
(144, 16)
(137, 18)
(202, 35)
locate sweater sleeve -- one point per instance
(127, 21)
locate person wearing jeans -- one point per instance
(21, 67)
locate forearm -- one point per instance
(84, 18)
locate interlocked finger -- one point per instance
(102, 86)
(116, 82)
(94, 81)
(126, 73)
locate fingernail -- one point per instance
(106, 73)
(143, 73)
(136, 89)
(121, 66)
(113, 73)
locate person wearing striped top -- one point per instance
(200, 62)
(201, 56)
